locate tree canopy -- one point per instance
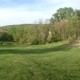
(62, 14)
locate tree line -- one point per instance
(64, 24)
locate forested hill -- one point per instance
(6, 28)
(64, 24)
(19, 25)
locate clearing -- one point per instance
(56, 61)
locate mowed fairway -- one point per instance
(57, 61)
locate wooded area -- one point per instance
(64, 25)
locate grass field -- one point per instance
(56, 61)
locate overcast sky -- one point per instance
(29, 11)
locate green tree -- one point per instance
(62, 14)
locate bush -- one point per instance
(56, 39)
(35, 42)
(1, 42)
(44, 42)
(8, 43)
(70, 39)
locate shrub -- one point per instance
(70, 39)
(35, 42)
(1, 42)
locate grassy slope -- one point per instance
(43, 62)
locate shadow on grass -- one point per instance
(64, 47)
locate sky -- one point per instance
(14, 12)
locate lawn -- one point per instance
(56, 61)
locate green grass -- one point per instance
(56, 61)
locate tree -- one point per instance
(62, 14)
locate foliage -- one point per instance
(64, 23)
(62, 14)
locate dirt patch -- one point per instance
(76, 43)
